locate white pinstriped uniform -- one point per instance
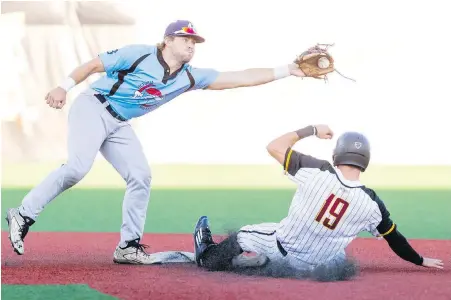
(327, 212)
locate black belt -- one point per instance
(102, 100)
(284, 253)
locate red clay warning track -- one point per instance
(86, 258)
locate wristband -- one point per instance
(306, 131)
(67, 84)
(281, 72)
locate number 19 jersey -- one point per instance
(327, 211)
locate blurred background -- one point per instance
(395, 50)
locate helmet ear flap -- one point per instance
(334, 155)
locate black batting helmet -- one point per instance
(352, 149)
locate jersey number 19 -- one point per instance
(335, 212)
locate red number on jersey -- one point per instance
(337, 211)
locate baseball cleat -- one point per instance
(202, 239)
(18, 229)
(133, 254)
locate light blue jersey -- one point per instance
(137, 80)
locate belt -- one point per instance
(108, 107)
(284, 253)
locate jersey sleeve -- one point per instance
(123, 58)
(203, 77)
(380, 223)
(384, 227)
(295, 161)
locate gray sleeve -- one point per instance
(295, 160)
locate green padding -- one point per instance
(418, 213)
(35, 292)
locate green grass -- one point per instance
(236, 176)
(45, 292)
(419, 213)
(418, 197)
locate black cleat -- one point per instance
(202, 239)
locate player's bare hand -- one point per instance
(56, 98)
(432, 263)
(324, 132)
(295, 71)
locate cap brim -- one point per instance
(196, 37)
(199, 39)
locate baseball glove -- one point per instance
(309, 62)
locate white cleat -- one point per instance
(18, 229)
(134, 254)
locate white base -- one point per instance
(167, 257)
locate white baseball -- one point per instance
(323, 63)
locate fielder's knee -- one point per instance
(74, 173)
(139, 179)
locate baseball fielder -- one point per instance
(329, 209)
(138, 80)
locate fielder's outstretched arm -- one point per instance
(253, 77)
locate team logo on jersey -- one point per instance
(358, 145)
(148, 91)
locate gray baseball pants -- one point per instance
(92, 128)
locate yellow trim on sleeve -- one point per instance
(390, 230)
(288, 161)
